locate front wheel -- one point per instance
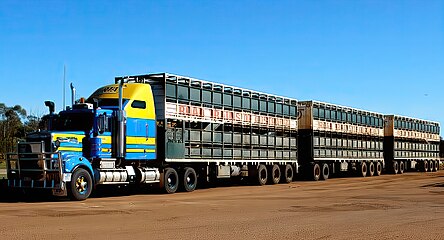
(80, 186)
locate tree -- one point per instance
(32, 124)
(11, 126)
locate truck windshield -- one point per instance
(107, 102)
(74, 122)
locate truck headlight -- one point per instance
(55, 164)
(56, 145)
(13, 164)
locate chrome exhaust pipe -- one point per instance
(120, 143)
(73, 94)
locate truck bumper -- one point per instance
(57, 188)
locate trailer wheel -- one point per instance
(316, 172)
(275, 174)
(262, 174)
(425, 166)
(189, 180)
(371, 169)
(432, 166)
(171, 180)
(401, 167)
(364, 169)
(436, 166)
(395, 167)
(287, 177)
(378, 169)
(325, 171)
(81, 185)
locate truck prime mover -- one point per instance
(177, 131)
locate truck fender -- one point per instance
(75, 162)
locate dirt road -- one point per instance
(409, 206)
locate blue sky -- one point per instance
(384, 56)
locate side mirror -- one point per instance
(102, 123)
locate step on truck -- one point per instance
(173, 131)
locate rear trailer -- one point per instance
(207, 131)
(411, 144)
(334, 139)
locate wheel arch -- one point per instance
(74, 163)
(89, 170)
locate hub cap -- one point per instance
(81, 185)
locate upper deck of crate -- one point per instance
(186, 90)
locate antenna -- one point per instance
(64, 83)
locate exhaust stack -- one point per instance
(120, 143)
(73, 95)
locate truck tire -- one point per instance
(425, 166)
(395, 167)
(378, 169)
(262, 174)
(363, 169)
(325, 171)
(189, 179)
(81, 185)
(371, 169)
(316, 172)
(432, 166)
(171, 180)
(401, 167)
(275, 174)
(436, 166)
(287, 177)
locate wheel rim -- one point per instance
(263, 175)
(81, 184)
(276, 173)
(289, 173)
(317, 171)
(172, 181)
(190, 180)
(326, 171)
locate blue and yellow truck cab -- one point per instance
(81, 148)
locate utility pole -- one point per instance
(64, 83)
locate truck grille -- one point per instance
(33, 163)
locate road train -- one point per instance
(178, 132)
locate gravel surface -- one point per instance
(408, 206)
